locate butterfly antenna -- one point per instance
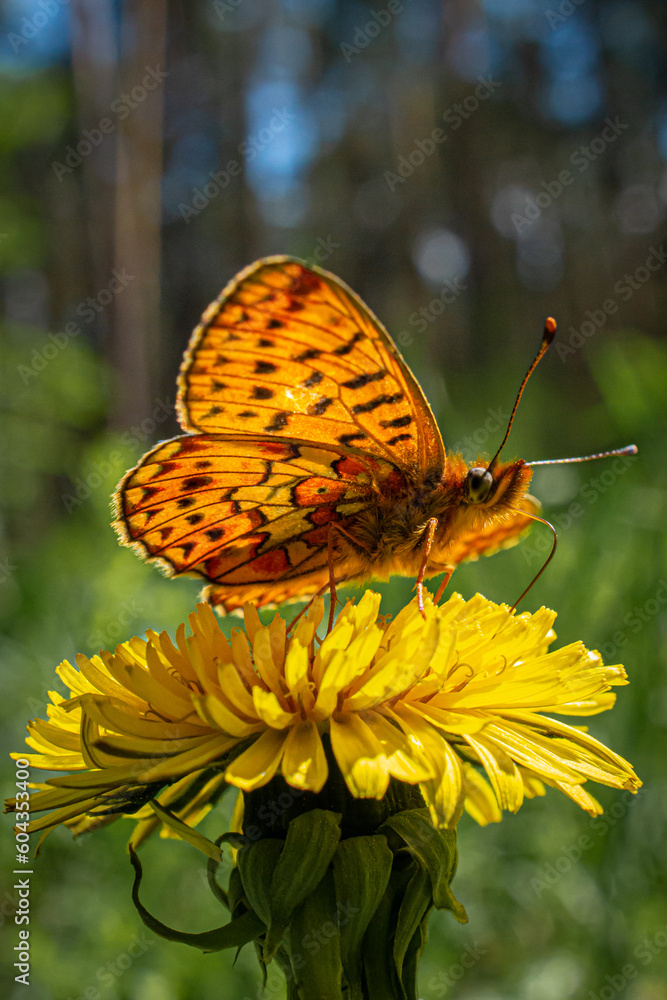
(630, 449)
(539, 573)
(547, 338)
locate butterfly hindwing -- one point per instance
(291, 351)
(250, 515)
(499, 534)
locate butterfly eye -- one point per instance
(480, 484)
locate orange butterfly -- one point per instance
(310, 451)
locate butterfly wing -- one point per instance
(501, 533)
(250, 515)
(291, 351)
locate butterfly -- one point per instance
(309, 452)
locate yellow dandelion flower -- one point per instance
(452, 704)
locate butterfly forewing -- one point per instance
(291, 351)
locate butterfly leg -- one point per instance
(305, 608)
(443, 583)
(428, 543)
(332, 578)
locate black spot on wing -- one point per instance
(318, 408)
(262, 392)
(349, 438)
(382, 400)
(313, 379)
(312, 352)
(346, 348)
(148, 492)
(196, 482)
(279, 421)
(264, 367)
(399, 437)
(397, 421)
(359, 381)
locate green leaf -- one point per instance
(235, 934)
(315, 944)
(361, 870)
(309, 847)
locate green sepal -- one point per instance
(415, 905)
(314, 953)
(211, 871)
(235, 934)
(361, 870)
(281, 958)
(411, 961)
(235, 891)
(257, 863)
(309, 846)
(436, 849)
(186, 832)
(382, 982)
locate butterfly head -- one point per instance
(479, 484)
(507, 481)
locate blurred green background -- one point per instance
(148, 151)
